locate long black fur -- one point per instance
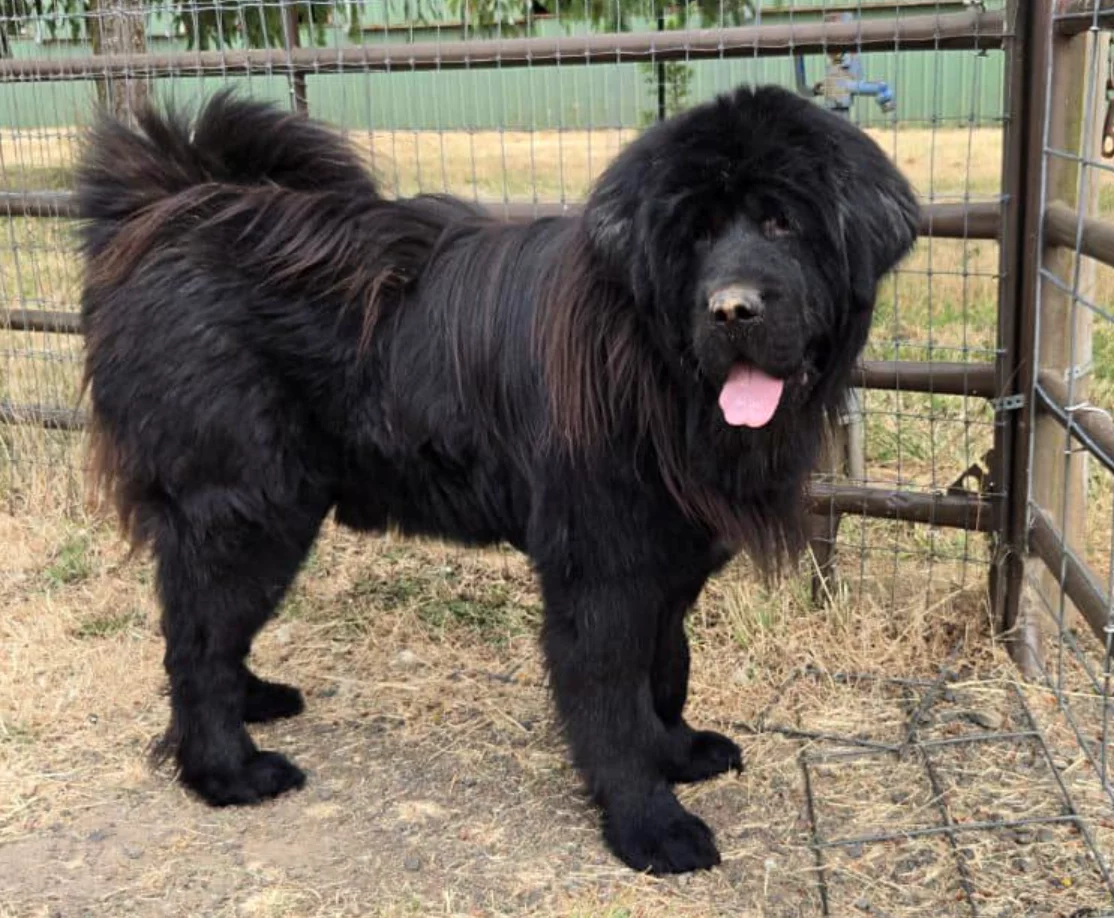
(269, 339)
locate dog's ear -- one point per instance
(609, 218)
(879, 217)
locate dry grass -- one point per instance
(437, 783)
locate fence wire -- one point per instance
(1069, 471)
(451, 97)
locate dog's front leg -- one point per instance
(599, 642)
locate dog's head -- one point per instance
(754, 230)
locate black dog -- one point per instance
(628, 396)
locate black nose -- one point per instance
(737, 303)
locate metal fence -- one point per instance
(976, 460)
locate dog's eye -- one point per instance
(776, 227)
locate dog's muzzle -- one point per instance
(736, 303)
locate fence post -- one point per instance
(1063, 345)
(119, 27)
(1026, 55)
(1055, 111)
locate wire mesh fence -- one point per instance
(526, 110)
(519, 107)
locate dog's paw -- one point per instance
(661, 837)
(264, 701)
(707, 754)
(264, 775)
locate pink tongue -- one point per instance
(749, 398)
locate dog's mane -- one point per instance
(605, 376)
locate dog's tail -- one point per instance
(125, 173)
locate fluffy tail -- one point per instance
(124, 172)
(277, 196)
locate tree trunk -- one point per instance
(119, 27)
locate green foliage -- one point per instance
(507, 17)
(677, 76)
(53, 15)
(258, 25)
(672, 77)
(111, 624)
(255, 24)
(511, 17)
(246, 23)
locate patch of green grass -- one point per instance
(111, 624)
(71, 563)
(1102, 345)
(443, 597)
(394, 591)
(768, 609)
(493, 613)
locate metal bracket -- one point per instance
(975, 471)
(1079, 371)
(1008, 403)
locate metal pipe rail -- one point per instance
(971, 512)
(37, 204)
(57, 322)
(1075, 16)
(1075, 577)
(1092, 427)
(973, 29)
(974, 380)
(962, 511)
(1063, 226)
(41, 416)
(973, 220)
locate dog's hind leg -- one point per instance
(599, 641)
(692, 755)
(219, 582)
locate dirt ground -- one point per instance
(439, 786)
